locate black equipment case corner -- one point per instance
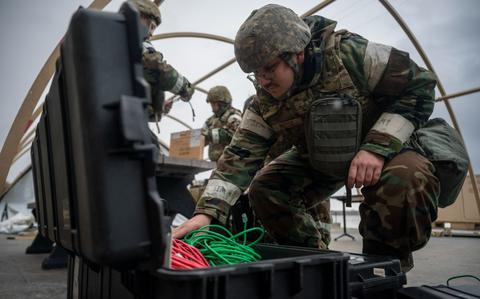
(94, 169)
(374, 276)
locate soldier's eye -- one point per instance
(272, 67)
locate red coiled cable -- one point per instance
(186, 256)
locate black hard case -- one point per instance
(371, 277)
(48, 186)
(375, 276)
(87, 280)
(93, 156)
(38, 186)
(105, 98)
(60, 163)
(284, 272)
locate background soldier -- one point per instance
(307, 72)
(159, 74)
(219, 128)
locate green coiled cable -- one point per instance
(220, 249)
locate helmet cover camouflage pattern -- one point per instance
(149, 9)
(219, 94)
(267, 33)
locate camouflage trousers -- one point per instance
(287, 194)
(397, 214)
(291, 202)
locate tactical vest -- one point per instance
(287, 117)
(215, 150)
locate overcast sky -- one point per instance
(448, 31)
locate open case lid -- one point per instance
(120, 216)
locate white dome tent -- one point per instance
(208, 57)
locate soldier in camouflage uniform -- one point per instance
(219, 128)
(295, 61)
(159, 74)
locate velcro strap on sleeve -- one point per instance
(178, 84)
(375, 62)
(254, 123)
(222, 190)
(395, 125)
(215, 135)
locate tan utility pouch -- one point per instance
(333, 132)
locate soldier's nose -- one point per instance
(264, 82)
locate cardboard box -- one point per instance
(187, 144)
(465, 209)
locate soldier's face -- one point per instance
(150, 24)
(277, 77)
(215, 106)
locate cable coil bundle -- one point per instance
(219, 249)
(185, 256)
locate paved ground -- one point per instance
(21, 275)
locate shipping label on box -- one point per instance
(187, 144)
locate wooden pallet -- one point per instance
(459, 225)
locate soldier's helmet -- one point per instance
(219, 94)
(149, 9)
(267, 33)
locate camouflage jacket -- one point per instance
(160, 75)
(218, 131)
(396, 97)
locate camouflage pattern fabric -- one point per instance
(218, 131)
(287, 199)
(248, 102)
(257, 42)
(159, 74)
(219, 94)
(162, 76)
(290, 199)
(399, 209)
(388, 86)
(148, 9)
